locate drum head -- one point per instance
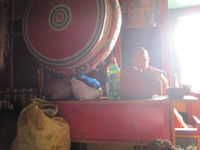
(70, 36)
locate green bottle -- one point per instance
(113, 75)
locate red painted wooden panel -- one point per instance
(116, 120)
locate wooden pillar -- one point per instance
(165, 38)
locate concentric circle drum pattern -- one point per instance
(72, 37)
(60, 17)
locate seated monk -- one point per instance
(142, 78)
(143, 81)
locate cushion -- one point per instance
(178, 120)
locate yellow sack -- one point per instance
(36, 131)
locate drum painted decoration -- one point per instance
(71, 36)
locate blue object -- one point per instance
(89, 81)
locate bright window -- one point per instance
(187, 40)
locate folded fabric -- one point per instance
(89, 81)
(179, 122)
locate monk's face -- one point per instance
(141, 60)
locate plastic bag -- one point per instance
(36, 131)
(82, 91)
(89, 81)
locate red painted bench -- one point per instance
(135, 122)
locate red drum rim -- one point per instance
(92, 54)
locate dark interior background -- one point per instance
(149, 38)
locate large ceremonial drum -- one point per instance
(71, 36)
